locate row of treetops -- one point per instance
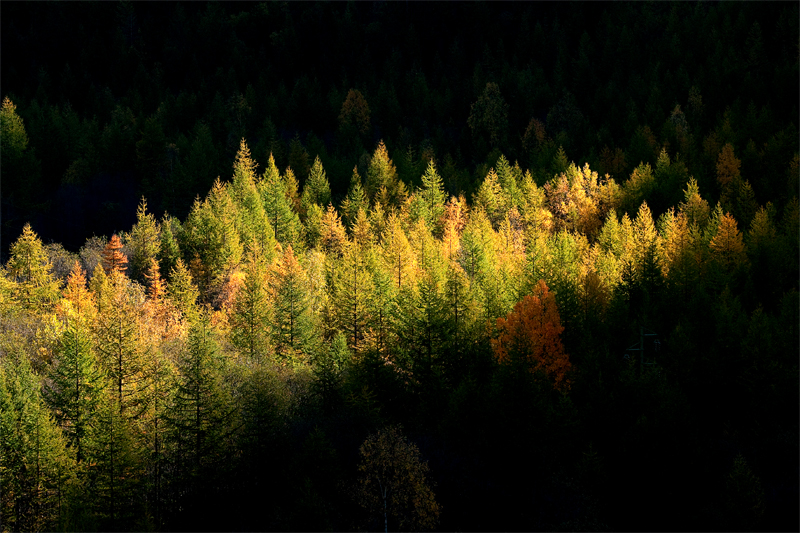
(514, 234)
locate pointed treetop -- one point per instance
(113, 258)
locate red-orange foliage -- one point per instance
(530, 335)
(113, 259)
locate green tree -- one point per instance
(291, 324)
(430, 198)
(121, 349)
(182, 290)
(202, 412)
(35, 465)
(29, 267)
(76, 385)
(356, 199)
(316, 190)
(144, 242)
(250, 315)
(284, 221)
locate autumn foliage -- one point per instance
(531, 336)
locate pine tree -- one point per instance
(113, 258)
(727, 244)
(316, 189)
(430, 199)
(201, 416)
(356, 199)
(144, 241)
(182, 290)
(249, 318)
(76, 385)
(30, 268)
(36, 468)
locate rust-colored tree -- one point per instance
(530, 336)
(113, 258)
(393, 482)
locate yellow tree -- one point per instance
(727, 244)
(30, 268)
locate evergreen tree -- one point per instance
(182, 290)
(144, 242)
(316, 189)
(280, 214)
(30, 268)
(201, 416)
(250, 314)
(429, 205)
(35, 465)
(355, 200)
(76, 385)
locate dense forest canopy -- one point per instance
(385, 265)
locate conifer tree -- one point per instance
(170, 251)
(727, 244)
(332, 237)
(201, 414)
(249, 318)
(30, 268)
(144, 241)
(280, 214)
(351, 290)
(383, 173)
(356, 199)
(76, 385)
(316, 189)
(113, 258)
(429, 205)
(119, 345)
(35, 466)
(182, 290)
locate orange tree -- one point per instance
(530, 337)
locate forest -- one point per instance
(399, 266)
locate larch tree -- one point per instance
(30, 268)
(182, 290)
(35, 464)
(249, 316)
(144, 242)
(281, 216)
(488, 118)
(76, 384)
(382, 175)
(121, 349)
(356, 199)
(113, 258)
(530, 337)
(201, 416)
(728, 244)
(290, 323)
(316, 190)
(430, 198)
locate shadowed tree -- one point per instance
(393, 482)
